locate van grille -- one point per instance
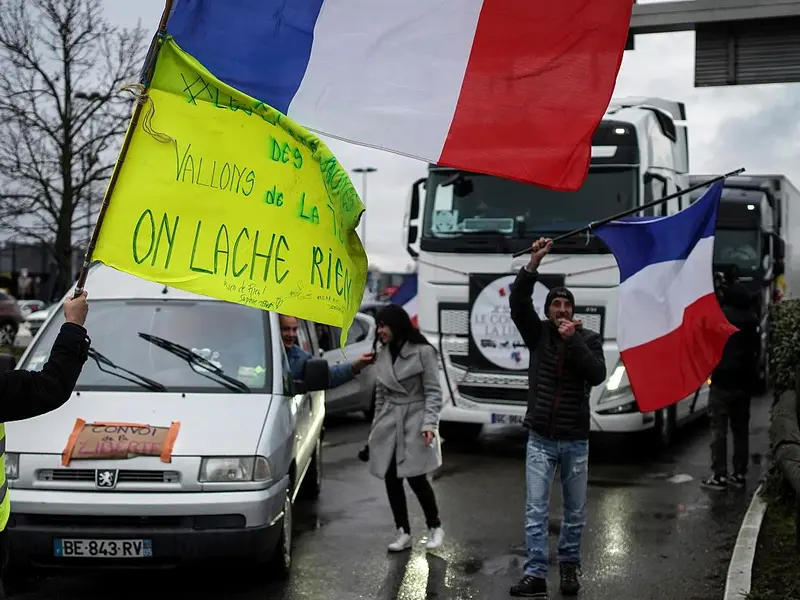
(123, 476)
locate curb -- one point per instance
(740, 569)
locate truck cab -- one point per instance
(750, 241)
(463, 228)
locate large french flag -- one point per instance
(406, 296)
(671, 329)
(513, 88)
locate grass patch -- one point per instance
(776, 567)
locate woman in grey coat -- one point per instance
(404, 439)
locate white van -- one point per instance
(244, 437)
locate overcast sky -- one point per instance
(756, 127)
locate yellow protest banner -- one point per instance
(226, 197)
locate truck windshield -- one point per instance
(232, 337)
(737, 247)
(459, 203)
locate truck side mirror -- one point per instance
(412, 214)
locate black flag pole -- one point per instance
(636, 209)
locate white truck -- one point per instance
(463, 228)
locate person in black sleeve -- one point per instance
(732, 385)
(26, 394)
(566, 361)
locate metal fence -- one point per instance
(785, 442)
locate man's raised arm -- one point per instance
(521, 299)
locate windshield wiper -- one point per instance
(195, 360)
(145, 382)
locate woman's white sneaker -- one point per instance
(435, 538)
(403, 542)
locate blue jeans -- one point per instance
(540, 465)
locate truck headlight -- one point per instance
(12, 466)
(226, 469)
(617, 385)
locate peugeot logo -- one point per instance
(105, 478)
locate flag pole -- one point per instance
(147, 74)
(636, 209)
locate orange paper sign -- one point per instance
(98, 441)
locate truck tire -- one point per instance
(664, 429)
(459, 432)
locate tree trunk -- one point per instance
(62, 251)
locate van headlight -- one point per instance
(12, 466)
(226, 469)
(616, 385)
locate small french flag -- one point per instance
(406, 296)
(671, 331)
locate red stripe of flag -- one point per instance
(538, 81)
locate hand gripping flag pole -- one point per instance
(626, 213)
(147, 74)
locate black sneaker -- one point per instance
(738, 480)
(530, 587)
(569, 578)
(716, 483)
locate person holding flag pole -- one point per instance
(671, 335)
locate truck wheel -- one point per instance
(664, 428)
(280, 564)
(459, 432)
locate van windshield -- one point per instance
(232, 337)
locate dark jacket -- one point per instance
(738, 368)
(561, 372)
(26, 394)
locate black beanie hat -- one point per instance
(558, 292)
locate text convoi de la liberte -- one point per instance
(248, 259)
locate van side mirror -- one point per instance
(315, 377)
(7, 363)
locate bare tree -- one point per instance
(62, 117)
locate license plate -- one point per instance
(502, 419)
(67, 548)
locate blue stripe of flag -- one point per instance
(259, 47)
(406, 291)
(640, 242)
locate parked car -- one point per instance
(323, 341)
(35, 320)
(371, 307)
(28, 307)
(248, 444)
(10, 319)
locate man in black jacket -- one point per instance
(566, 361)
(732, 384)
(26, 394)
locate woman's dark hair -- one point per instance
(396, 318)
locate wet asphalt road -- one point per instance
(653, 532)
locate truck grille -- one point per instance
(494, 394)
(123, 476)
(455, 321)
